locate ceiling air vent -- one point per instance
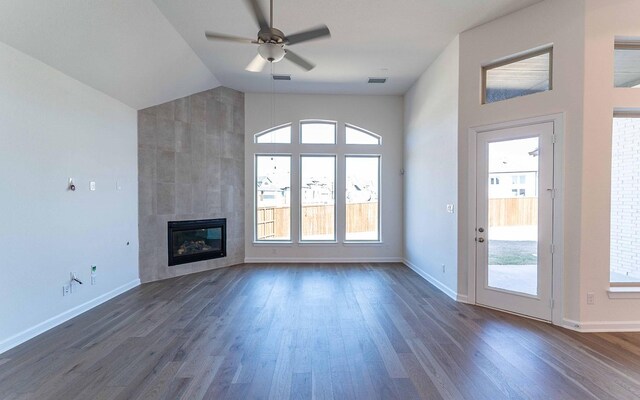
(377, 80)
(282, 77)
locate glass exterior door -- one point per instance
(514, 226)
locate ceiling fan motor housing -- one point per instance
(271, 35)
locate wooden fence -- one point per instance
(273, 222)
(513, 211)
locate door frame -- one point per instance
(557, 279)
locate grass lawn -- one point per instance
(507, 252)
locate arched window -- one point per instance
(355, 135)
(317, 132)
(279, 134)
(332, 179)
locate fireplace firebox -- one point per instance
(191, 241)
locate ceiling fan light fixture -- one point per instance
(271, 52)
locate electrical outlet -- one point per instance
(591, 298)
(92, 186)
(66, 290)
(450, 208)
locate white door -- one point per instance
(514, 228)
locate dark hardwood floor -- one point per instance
(362, 331)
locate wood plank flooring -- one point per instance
(355, 331)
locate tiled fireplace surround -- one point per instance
(190, 166)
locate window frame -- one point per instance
(357, 128)
(619, 114)
(295, 150)
(625, 45)
(511, 60)
(275, 128)
(255, 196)
(361, 155)
(318, 121)
(335, 197)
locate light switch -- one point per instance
(450, 208)
(92, 186)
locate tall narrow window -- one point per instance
(273, 198)
(625, 197)
(317, 132)
(280, 134)
(518, 76)
(362, 197)
(317, 198)
(627, 64)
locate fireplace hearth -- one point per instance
(198, 240)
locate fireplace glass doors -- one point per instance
(199, 240)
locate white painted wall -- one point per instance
(604, 21)
(431, 177)
(378, 114)
(52, 128)
(557, 22)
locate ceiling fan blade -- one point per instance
(315, 33)
(258, 14)
(296, 59)
(257, 64)
(229, 38)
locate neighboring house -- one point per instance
(317, 191)
(271, 194)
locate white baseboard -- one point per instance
(602, 326)
(463, 298)
(444, 288)
(42, 327)
(306, 260)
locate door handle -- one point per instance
(481, 240)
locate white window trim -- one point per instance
(340, 150)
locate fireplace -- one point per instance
(199, 240)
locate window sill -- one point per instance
(274, 243)
(318, 243)
(374, 243)
(624, 292)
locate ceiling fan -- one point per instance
(272, 41)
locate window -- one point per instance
(518, 76)
(273, 197)
(355, 135)
(627, 64)
(317, 198)
(625, 197)
(331, 179)
(280, 134)
(362, 192)
(317, 132)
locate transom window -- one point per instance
(517, 76)
(317, 132)
(279, 134)
(340, 180)
(355, 135)
(627, 64)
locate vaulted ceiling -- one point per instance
(145, 52)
